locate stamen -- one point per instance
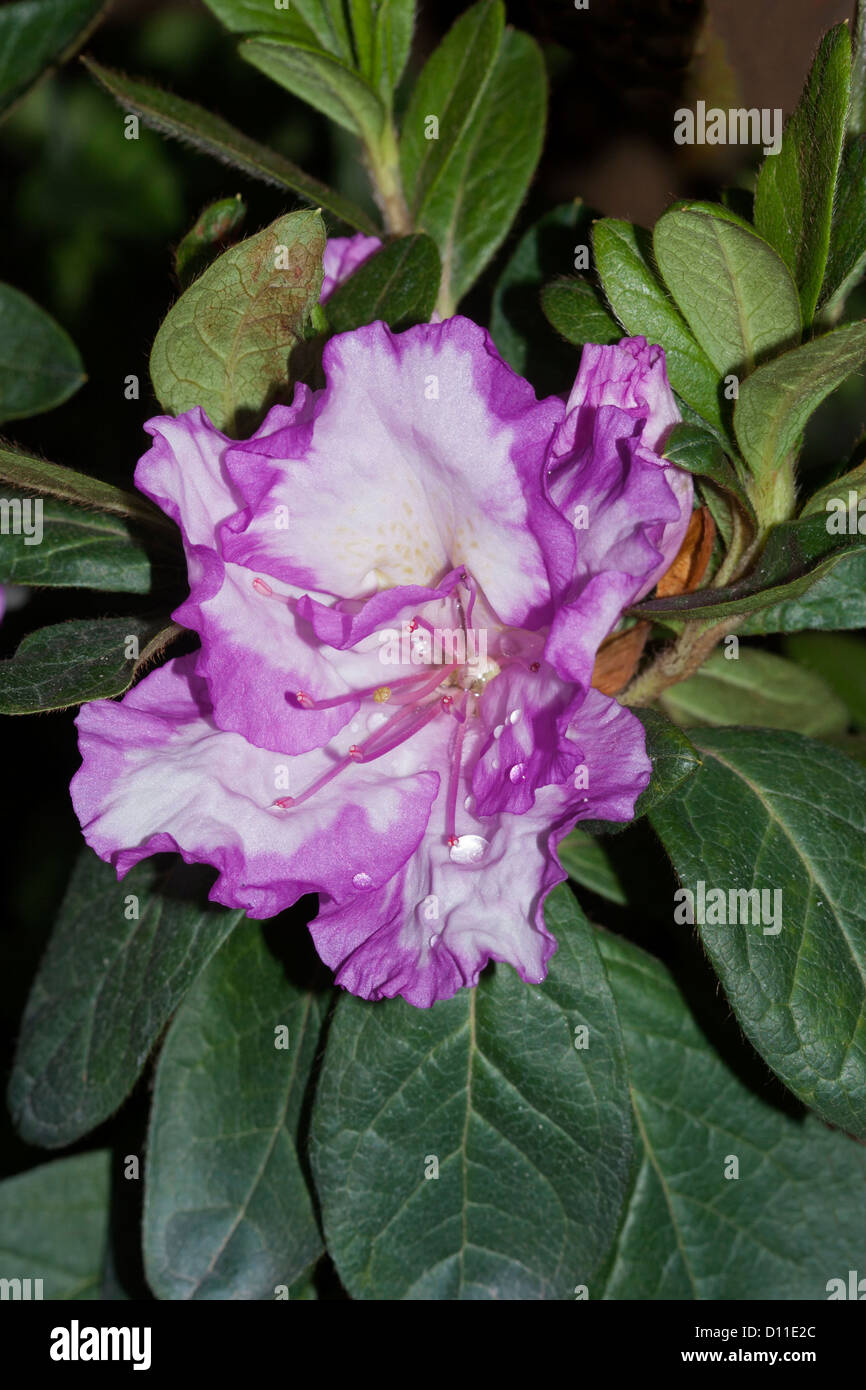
(454, 784)
(262, 588)
(381, 693)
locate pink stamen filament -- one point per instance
(403, 685)
(454, 783)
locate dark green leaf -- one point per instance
(776, 401)
(105, 990)
(841, 662)
(319, 20)
(226, 343)
(780, 814)
(737, 296)
(690, 447)
(227, 1210)
(383, 39)
(54, 1226)
(840, 490)
(791, 1220)
(326, 82)
(797, 553)
(217, 227)
(398, 284)
(185, 121)
(640, 302)
(837, 600)
(796, 187)
(577, 311)
(673, 758)
(78, 549)
(26, 472)
(36, 33)
(39, 364)
(585, 859)
(759, 689)
(84, 659)
(848, 233)
(530, 1131)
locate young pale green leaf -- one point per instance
(692, 448)
(216, 227)
(783, 818)
(324, 81)
(225, 345)
(450, 91)
(517, 324)
(795, 556)
(758, 689)
(514, 1096)
(50, 543)
(640, 302)
(693, 1226)
(475, 197)
(398, 284)
(227, 1211)
(840, 661)
(586, 861)
(27, 473)
(54, 1227)
(36, 33)
(84, 659)
(320, 21)
(776, 401)
(673, 758)
(736, 294)
(797, 187)
(39, 364)
(577, 311)
(193, 125)
(120, 960)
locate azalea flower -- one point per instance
(399, 584)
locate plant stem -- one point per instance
(383, 161)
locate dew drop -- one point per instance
(433, 939)
(515, 716)
(469, 803)
(495, 763)
(518, 773)
(362, 881)
(497, 732)
(468, 849)
(375, 721)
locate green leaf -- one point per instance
(26, 472)
(489, 93)
(80, 660)
(324, 81)
(839, 490)
(633, 290)
(227, 1211)
(382, 30)
(69, 548)
(517, 324)
(673, 758)
(39, 364)
(37, 33)
(848, 231)
(736, 294)
(784, 1227)
(758, 689)
(531, 1134)
(54, 1226)
(321, 20)
(107, 986)
(576, 310)
(690, 447)
(776, 401)
(841, 662)
(796, 187)
(776, 812)
(857, 105)
(586, 861)
(452, 88)
(398, 284)
(225, 345)
(836, 600)
(796, 554)
(214, 229)
(185, 121)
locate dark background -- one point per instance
(89, 221)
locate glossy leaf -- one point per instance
(784, 815)
(674, 759)
(576, 310)
(106, 988)
(531, 1140)
(225, 345)
(37, 33)
(40, 367)
(398, 284)
(699, 452)
(227, 1210)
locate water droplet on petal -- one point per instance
(518, 773)
(497, 732)
(468, 849)
(362, 881)
(354, 726)
(495, 763)
(469, 803)
(433, 939)
(515, 716)
(375, 721)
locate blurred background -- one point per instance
(90, 221)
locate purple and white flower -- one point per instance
(423, 500)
